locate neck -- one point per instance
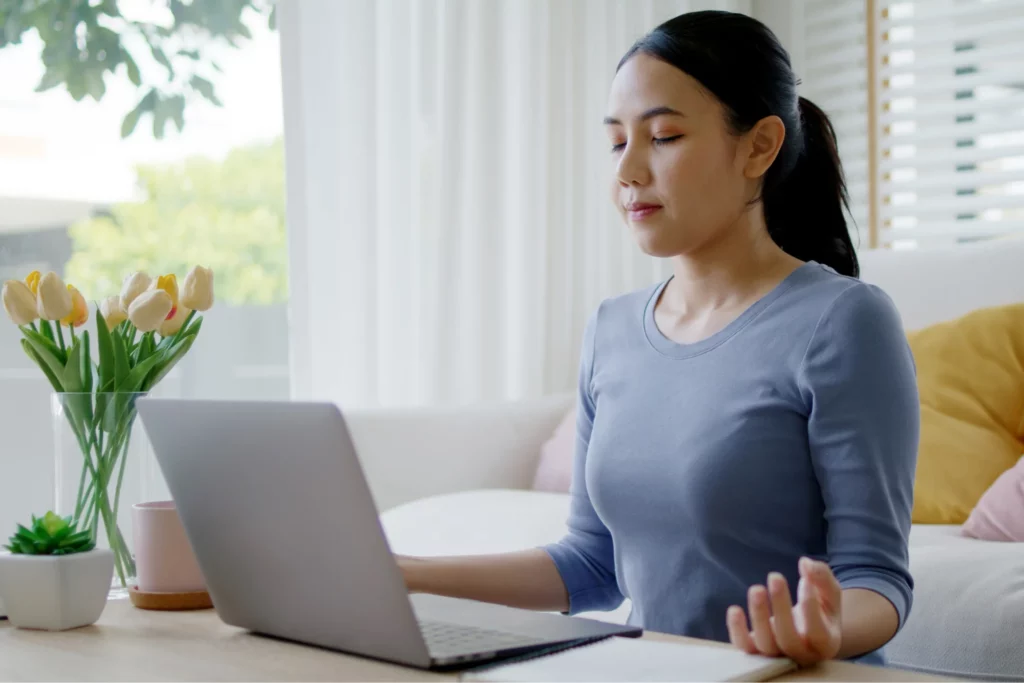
(743, 260)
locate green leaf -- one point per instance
(106, 350)
(272, 21)
(145, 347)
(86, 362)
(94, 85)
(121, 367)
(204, 88)
(160, 56)
(172, 356)
(51, 79)
(133, 70)
(73, 370)
(191, 54)
(176, 105)
(51, 360)
(50, 345)
(54, 382)
(146, 104)
(137, 376)
(47, 331)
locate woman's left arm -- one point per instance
(859, 380)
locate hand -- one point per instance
(807, 632)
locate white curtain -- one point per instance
(450, 223)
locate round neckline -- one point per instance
(673, 349)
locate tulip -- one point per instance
(150, 309)
(53, 300)
(33, 282)
(79, 309)
(113, 314)
(197, 292)
(19, 302)
(134, 285)
(169, 284)
(174, 323)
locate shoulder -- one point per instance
(622, 313)
(849, 306)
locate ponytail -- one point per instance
(741, 62)
(804, 208)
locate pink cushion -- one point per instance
(554, 469)
(999, 515)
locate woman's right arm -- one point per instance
(527, 579)
(574, 575)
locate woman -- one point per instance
(747, 430)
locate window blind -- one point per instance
(832, 67)
(950, 84)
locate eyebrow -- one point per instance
(647, 115)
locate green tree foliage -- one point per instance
(227, 215)
(85, 41)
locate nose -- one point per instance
(632, 168)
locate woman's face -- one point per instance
(679, 172)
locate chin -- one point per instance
(654, 241)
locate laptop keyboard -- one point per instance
(443, 638)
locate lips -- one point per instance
(638, 211)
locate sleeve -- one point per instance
(859, 378)
(585, 556)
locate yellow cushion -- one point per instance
(970, 374)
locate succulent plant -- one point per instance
(50, 535)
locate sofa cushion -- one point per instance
(554, 467)
(970, 375)
(999, 515)
(968, 610)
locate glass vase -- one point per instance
(103, 465)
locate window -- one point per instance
(951, 121)
(832, 67)
(78, 198)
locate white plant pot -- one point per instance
(56, 593)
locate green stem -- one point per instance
(183, 328)
(60, 338)
(33, 326)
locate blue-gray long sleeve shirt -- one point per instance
(700, 468)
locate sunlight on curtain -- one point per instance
(450, 223)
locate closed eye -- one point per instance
(658, 141)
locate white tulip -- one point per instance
(174, 323)
(19, 302)
(197, 291)
(113, 314)
(53, 301)
(149, 310)
(134, 285)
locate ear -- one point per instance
(763, 143)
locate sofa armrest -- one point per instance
(413, 453)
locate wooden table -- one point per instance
(138, 645)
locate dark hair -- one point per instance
(740, 61)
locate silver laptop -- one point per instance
(284, 527)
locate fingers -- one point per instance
(787, 637)
(761, 618)
(817, 635)
(739, 635)
(820, 575)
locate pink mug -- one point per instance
(164, 561)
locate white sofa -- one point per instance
(454, 481)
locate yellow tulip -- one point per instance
(33, 282)
(169, 284)
(134, 285)
(197, 292)
(150, 309)
(53, 300)
(174, 323)
(19, 302)
(79, 309)
(113, 314)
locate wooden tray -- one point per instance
(169, 601)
